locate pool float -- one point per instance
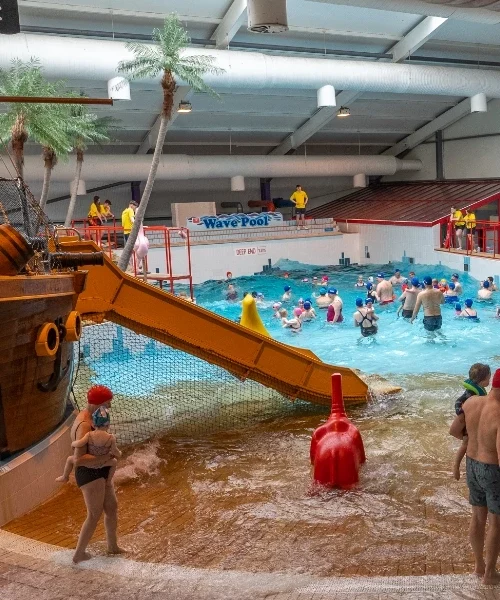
(141, 245)
(250, 317)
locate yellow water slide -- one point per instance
(295, 373)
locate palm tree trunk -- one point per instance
(141, 210)
(76, 181)
(49, 159)
(18, 151)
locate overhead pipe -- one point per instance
(467, 10)
(136, 167)
(80, 58)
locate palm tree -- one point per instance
(86, 127)
(38, 122)
(166, 59)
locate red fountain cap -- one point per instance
(99, 394)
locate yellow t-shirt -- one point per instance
(300, 199)
(93, 211)
(470, 220)
(128, 217)
(104, 210)
(458, 215)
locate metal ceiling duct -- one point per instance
(267, 16)
(477, 11)
(134, 167)
(91, 59)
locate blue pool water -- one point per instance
(399, 347)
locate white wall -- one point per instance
(212, 261)
(463, 159)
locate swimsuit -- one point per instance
(371, 329)
(331, 315)
(433, 323)
(469, 316)
(483, 481)
(386, 302)
(407, 314)
(84, 475)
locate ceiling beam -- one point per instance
(183, 92)
(444, 120)
(230, 24)
(416, 38)
(412, 40)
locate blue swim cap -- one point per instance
(322, 291)
(307, 305)
(332, 290)
(308, 300)
(369, 301)
(469, 302)
(100, 417)
(359, 301)
(428, 280)
(458, 306)
(397, 271)
(415, 282)
(369, 286)
(451, 285)
(380, 275)
(455, 275)
(486, 284)
(287, 288)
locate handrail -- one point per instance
(485, 238)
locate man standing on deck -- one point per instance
(482, 420)
(300, 199)
(431, 299)
(128, 218)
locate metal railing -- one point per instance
(484, 238)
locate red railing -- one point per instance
(109, 237)
(484, 238)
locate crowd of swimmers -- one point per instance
(409, 293)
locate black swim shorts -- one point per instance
(300, 211)
(84, 475)
(368, 331)
(433, 323)
(483, 481)
(407, 314)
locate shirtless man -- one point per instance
(431, 299)
(409, 298)
(482, 420)
(384, 290)
(396, 279)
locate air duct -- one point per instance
(182, 167)
(479, 103)
(267, 16)
(79, 58)
(476, 11)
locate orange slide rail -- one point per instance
(125, 300)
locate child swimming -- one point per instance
(98, 443)
(231, 293)
(479, 378)
(308, 314)
(294, 323)
(287, 296)
(276, 309)
(359, 283)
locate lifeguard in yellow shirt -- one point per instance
(300, 199)
(128, 218)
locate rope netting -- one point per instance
(160, 390)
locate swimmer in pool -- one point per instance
(231, 293)
(384, 290)
(371, 294)
(324, 280)
(334, 314)
(469, 312)
(458, 309)
(450, 295)
(365, 318)
(396, 279)
(493, 287)
(276, 309)
(259, 298)
(485, 293)
(435, 283)
(300, 304)
(323, 301)
(458, 286)
(408, 299)
(294, 323)
(359, 283)
(287, 296)
(183, 296)
(308, 314)
(431, 299)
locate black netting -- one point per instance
(19, 208)
(159, 390)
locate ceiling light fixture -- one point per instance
(185, 107)
(344, 111)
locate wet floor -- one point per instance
(243, 500)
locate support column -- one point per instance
(135, 188)
(439, 155)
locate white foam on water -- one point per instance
(143, 461)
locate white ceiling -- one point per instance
(243, 123)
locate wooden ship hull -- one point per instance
(34, 387)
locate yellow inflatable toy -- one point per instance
(250, 317)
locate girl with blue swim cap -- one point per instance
(468, 312)
(308, 313)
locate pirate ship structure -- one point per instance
(39, 288)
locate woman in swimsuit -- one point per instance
(365, 318)
(92, 481)
(469, 312)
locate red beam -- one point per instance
(44, 100)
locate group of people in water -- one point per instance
(409, 293)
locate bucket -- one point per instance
(15, 252)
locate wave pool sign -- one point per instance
(235, 221)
